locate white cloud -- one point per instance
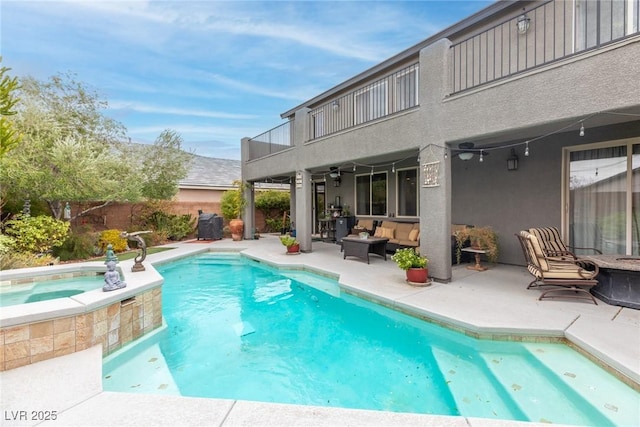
(148, 108)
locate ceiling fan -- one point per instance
(466, 151)
(336, 171)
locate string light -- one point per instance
(393, 168)
(481, 151)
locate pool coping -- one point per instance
(77, 304)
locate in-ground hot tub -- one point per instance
(50, 320)
(619, 279)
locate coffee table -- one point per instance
(361, 248)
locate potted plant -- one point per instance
(232, 205)
(413, 263)
(293, 246)
(483, 238)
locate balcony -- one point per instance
(391, 94)
(550, 32)
(271, 141)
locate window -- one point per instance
(603, 202)
(371, 194)
(407, 191)
(371, 102)
(407, 88)
(318, 123)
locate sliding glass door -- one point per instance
(603, 200)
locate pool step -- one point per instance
(605, 394)
(474, 392)
(538, 391)
(323, 284)
(139, 368)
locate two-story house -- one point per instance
(524, 114)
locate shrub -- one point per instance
(233, 202)
(37, 234)
(7, 244)
(112, 236)
(80, 245)
(174, 227)
(272, 204)
(25, 259)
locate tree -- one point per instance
(9, 137)
(72, 152)
(163, 165)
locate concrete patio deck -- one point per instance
(490, 304)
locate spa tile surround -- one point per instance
(113, 326)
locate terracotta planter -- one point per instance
(417, 275)
(236, 226)
(293, 249)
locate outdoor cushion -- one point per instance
(387, 232)
(567, 273)
(365, 223)
(549, 240)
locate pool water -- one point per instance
(237, 329)
(48, 289)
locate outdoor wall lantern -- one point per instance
(523, 22)
(512, 161)
(335, 105)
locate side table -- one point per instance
(476, 253)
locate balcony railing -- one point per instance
(391, 94)
(271, 141)
(552, 31)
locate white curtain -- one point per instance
(599, 213)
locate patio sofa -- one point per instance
(400, 234)
(362, 225)
(407, 235)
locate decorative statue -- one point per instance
(112, 278)
(111, 255)
(142, 247)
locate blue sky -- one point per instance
(214, 71)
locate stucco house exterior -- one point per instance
(552, 82)
(207, 179)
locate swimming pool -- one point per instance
(42, 289)
(240, 330)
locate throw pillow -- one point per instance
(413, 235)
(378, 232)
(387, 233)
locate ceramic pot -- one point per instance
(417, 275)
(293, 249)
(236, 226)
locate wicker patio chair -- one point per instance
(567, 275)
